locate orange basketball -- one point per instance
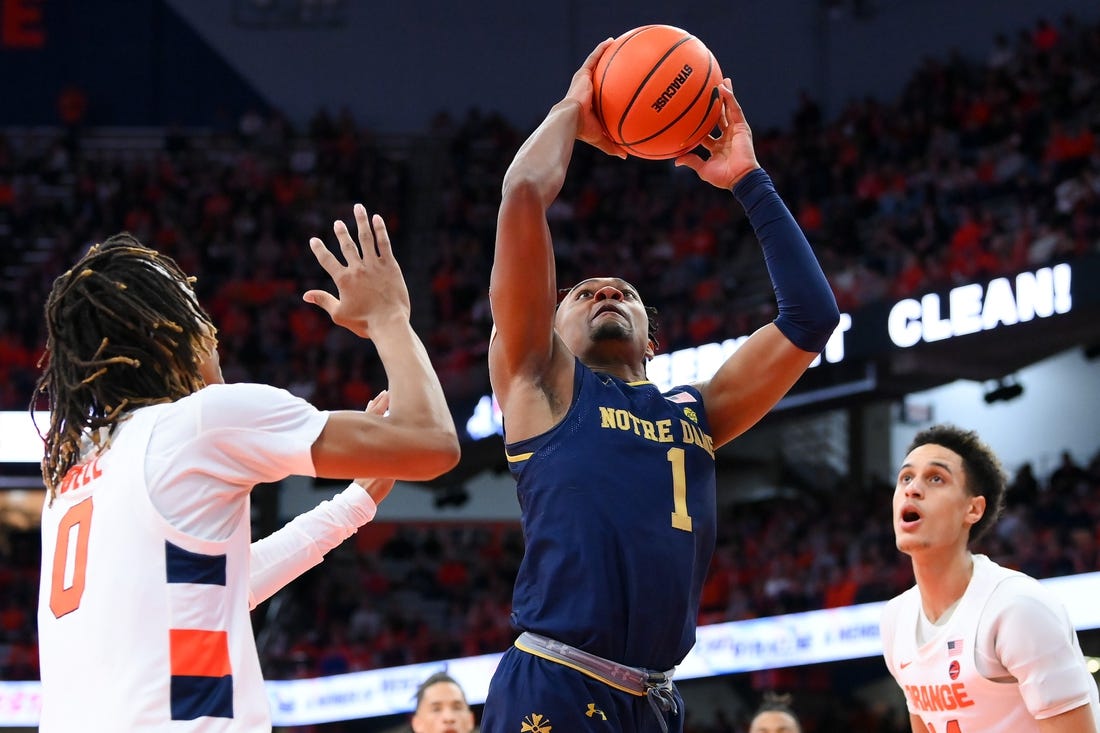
(656, 91)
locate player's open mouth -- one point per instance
(909, 517)
(607, 309)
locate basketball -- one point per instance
(656, 91)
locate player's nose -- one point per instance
(609, 292)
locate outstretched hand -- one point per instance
(581, 90)
(732, 155)
(370, 288)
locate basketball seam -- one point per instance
(597, 103)
(645, 80)
(687, 103)
(706, 113)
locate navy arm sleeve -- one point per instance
(808, 313)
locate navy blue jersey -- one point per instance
(618, 506)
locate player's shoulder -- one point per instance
(240, 403)
(1008, 581)
(898, 603)
(240, 392)
(1016, 593)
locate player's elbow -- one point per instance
(525, 187)
(437, 454)
(447, 452)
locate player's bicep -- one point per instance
(917, 724)
(1035, 642)
(1078, 720)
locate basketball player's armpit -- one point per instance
(808, 312)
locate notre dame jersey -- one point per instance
(618, 506)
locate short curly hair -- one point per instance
(984, 473)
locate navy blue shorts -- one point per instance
(532, 694)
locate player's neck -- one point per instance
(618, 369)
(942, 580)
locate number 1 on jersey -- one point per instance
(680, 517)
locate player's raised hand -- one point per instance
(589, 129)
(732, 155)
(370, 288)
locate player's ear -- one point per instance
(976, 510)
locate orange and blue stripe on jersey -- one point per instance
(202, 675)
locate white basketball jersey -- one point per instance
(183, 657)
(941, 679)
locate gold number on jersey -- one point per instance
(680, 517)
(65, 591)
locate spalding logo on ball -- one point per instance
(656, 91)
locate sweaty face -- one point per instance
(443, 709)
(603, 310)
(932, 505)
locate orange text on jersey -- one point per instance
(938, 697)
(80, 474)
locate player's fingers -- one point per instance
(325, 258)
(347, 244)
(380, 403)
(732, 107)
(367, 241)
(382, 244)
(689, 160)
(590, 62)
(320, 298)
(710, 142)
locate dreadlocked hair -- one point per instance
(123, 330)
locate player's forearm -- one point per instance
(303, 542)
(543, 160)
(416, 396)
(808, 312)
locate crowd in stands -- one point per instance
(978, 168)
(235, 210)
